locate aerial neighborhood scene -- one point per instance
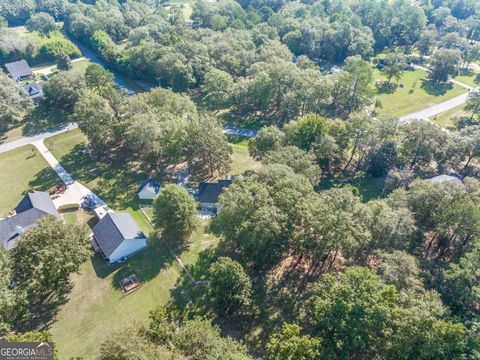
(240, 179)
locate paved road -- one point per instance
(436, 109)
(31, 139)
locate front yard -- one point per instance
(23, 169)
(416, 93)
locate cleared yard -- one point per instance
(97, 306)
(447, 118)
(417, 93)
(468, 78)
(241, 159)
(23, 169)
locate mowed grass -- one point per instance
(241, 159)
(447, 118)
(416, 94)
(96, 306)
(23, 170)
(469, 78)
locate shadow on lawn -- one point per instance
(42, 118)
(146, 265)
(436, 89)
(44, 179)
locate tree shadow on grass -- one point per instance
(436, 89)
(44, 314)
(146, 265)
(44, 180)
(42, 118)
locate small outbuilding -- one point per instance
(19, 70)
(209, 193)
(149, 189)
(34, 206)
(34, 91)
(117, 237)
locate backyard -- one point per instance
(415, 92)
(23, 169)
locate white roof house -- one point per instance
(149, 189)
(117, 237)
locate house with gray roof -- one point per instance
(19, 70)
(209, 192)
(34, 206)
(117, 237)
(34, 91)
(149, 189)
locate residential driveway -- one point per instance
(53, 162)
(31, 139)
(75, 192)
(50, 69)
(436, 109)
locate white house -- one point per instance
(117, 237)
(149, 189)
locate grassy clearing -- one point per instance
(417, 93)
(80, 66)
(97, 307)
(241, 159)
(469, 78)
(23, 169)
(447, 118)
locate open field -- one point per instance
(417, 93)
(23, 169)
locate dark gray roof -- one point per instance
(152, 183)
(19, 69)
(33, 207)
(39, 200)
(113, 228)
(34, 90)
(210, 192)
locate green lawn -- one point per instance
(417, 93)
(447, 118)
(96, 306)
(23, 169)
(241, 159)
(468, 78)
(80, 66)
